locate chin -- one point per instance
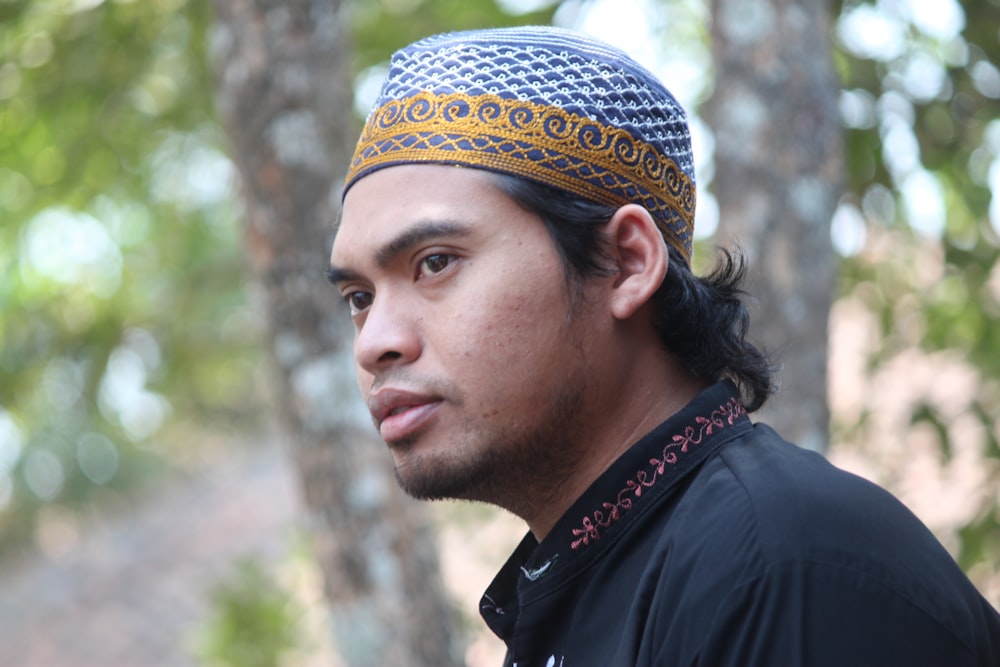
(439, 477)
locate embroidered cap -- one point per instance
(547, 104)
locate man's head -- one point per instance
(495, 171)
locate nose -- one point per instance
(388, 337)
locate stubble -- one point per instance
(518, 468)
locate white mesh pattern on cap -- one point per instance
(551, 66)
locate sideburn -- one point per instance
(575, 226)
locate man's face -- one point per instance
(473, 363)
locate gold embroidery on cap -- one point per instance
(538, 141)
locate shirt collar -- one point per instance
(634, 483)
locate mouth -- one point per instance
(399, 415)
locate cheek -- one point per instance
(522, 330)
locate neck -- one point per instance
(623, 414)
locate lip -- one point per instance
(399, 414)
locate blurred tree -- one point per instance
(284, 96)
(917, 231)
(284, 91)
(778, 176)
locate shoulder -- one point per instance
(779, 537)
(799, 506)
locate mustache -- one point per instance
(407, 380)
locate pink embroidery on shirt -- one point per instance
(693, 435)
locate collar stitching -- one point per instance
(722, 417)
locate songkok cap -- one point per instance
(547, 104)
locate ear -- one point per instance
(640, 256)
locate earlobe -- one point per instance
(640, 255)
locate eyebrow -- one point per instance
(417, 234)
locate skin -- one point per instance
(485, 378)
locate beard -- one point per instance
(515, 467)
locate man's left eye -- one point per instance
(435, 263)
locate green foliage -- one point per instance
(981, 540)
(382, 26)
(122, 303)
(926, 414)
(925, 100)
(254, 621)
(951, 127)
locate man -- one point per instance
(515, 250)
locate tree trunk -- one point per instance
(778, 176)
(284, 96)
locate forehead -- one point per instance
(387, 202)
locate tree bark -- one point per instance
(778, 177)
(284, 96)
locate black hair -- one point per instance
(702, 321)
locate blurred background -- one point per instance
(185, 475)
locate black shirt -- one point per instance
(714, 542)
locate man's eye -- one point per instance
(435, 263)
(358, 301)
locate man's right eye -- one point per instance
(358, 301)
